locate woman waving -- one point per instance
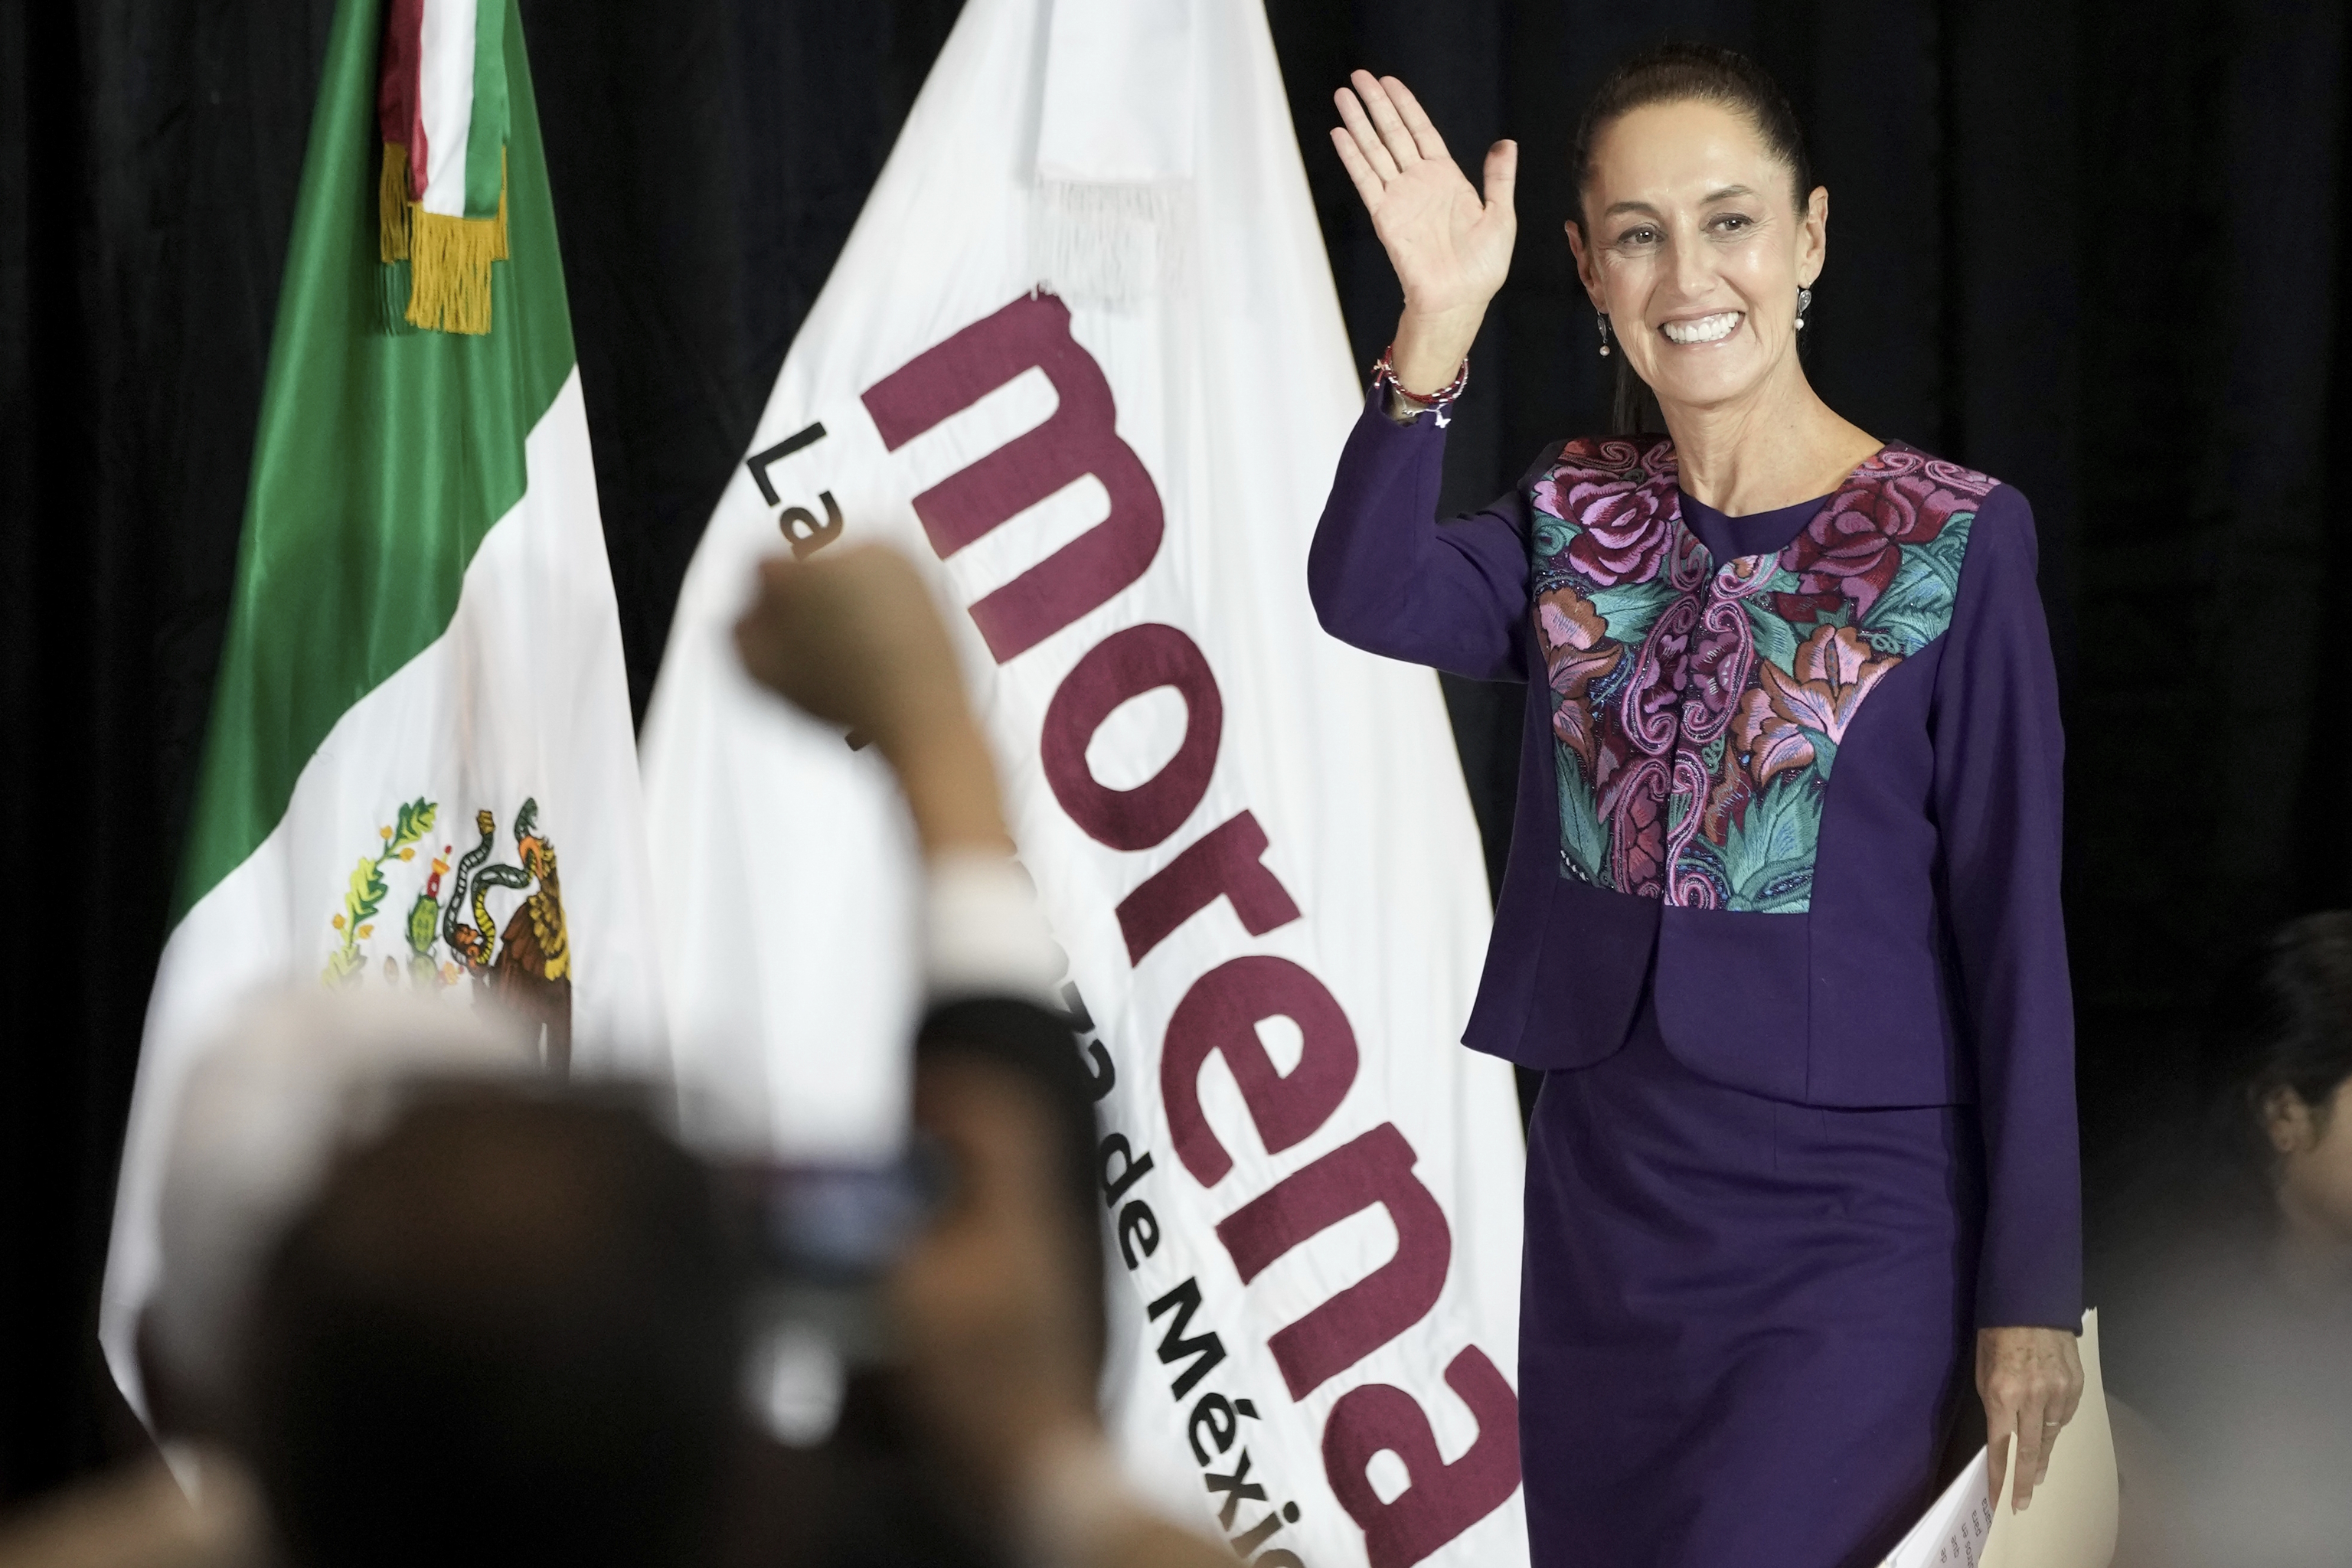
(1781, 926)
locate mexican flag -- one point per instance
(419, 775)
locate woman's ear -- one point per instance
(2287, 1122)
(1588, 271)
(1813, 249)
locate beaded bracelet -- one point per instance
(1442, 400)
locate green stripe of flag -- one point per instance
(486, 134)
(380, 460)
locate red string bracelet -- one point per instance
(1385, 375)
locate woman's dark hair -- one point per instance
(1684, 73)
(2278, 1017)
(2305, 1045)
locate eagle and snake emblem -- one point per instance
(453, 937)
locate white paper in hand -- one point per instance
(1951, 1533)
(2071, 1522)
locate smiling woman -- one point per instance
(1804, 1157)
(1699, 92)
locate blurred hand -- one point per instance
(2030, 1381)
(853, 637)
(1450, 248)
(995, 1309)
(993, 1304)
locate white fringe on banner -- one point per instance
(1111, 245)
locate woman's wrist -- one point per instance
(1430, 347)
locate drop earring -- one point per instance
(1804, 303)
(1603, 323)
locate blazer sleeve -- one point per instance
(1386, 576)
(2000, 763)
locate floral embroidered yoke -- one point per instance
(1698, 705)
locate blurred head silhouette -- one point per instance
(2245, 1362)
(292, 1079)
(506, 1333)
(2300, 1094)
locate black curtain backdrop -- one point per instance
(2095, 248)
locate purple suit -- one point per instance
(1781, 924)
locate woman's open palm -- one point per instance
(1451, 249)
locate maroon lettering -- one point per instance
(1441, 1500)
(1220, 1013)
(1376, 1168)
(1225, 860)
(1125, 665)
(1080, 438)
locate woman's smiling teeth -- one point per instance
(1706, 330)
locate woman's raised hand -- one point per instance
(1450, 248)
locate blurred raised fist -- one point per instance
(853, 637)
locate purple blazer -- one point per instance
(1798, 773)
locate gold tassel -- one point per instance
(391, 205)
(450, 272)
(449, 265)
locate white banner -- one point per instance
(1103, 410)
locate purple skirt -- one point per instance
(1743, 1322)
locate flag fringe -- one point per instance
(448, 258)
(391, 205)
(1111, 245)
